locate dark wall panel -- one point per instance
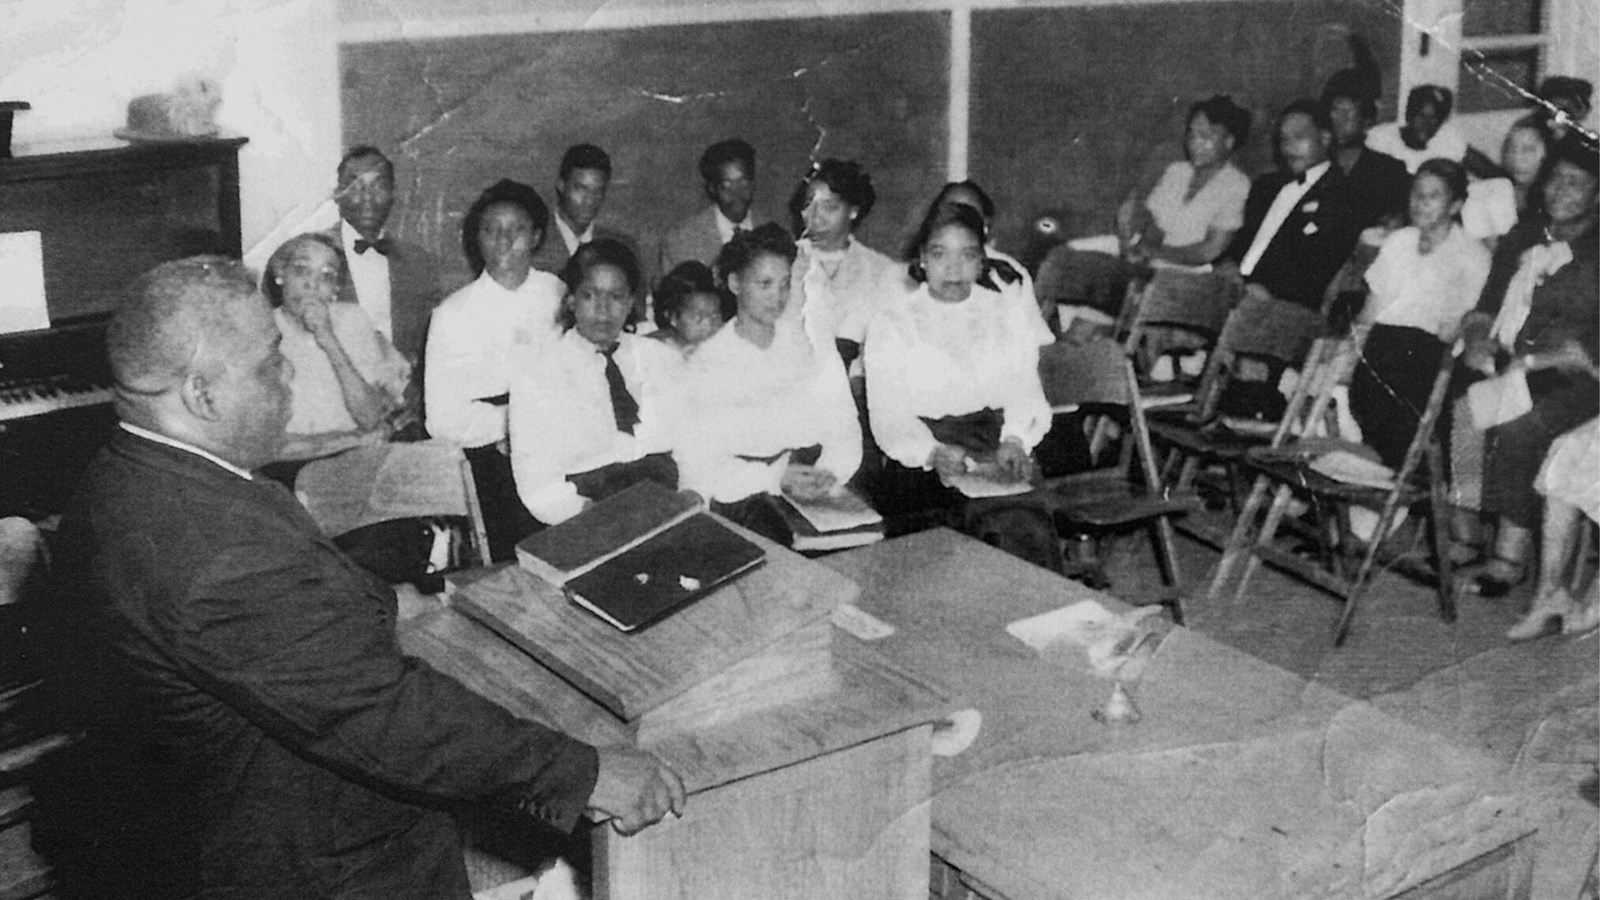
(456, 114)
(1074, 107)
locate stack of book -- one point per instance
(835, 522)
(638, 555)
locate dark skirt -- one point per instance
(1515, 451)
(1390, 386)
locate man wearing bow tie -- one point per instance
(395, 282)
(1300, 222)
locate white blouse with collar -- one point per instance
(925, 358)
(837, 295)
(562, 423)
(479, 335)
(740, 400)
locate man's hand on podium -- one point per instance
(635, 789)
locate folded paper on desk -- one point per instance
(604, 530)
(1115, 646)
(666, 571)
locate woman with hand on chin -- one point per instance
(952, 373)
(480, 335)
(349, 381)
(588, 416)
(839, 282)
(763, 411)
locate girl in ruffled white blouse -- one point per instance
(955, 350)
(763, 411)
(589, 416)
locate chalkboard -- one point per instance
(1073, 107)
(456, 114)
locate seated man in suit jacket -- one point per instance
(581, 186)
(251, 727)
(728, 169)
(1300, 222)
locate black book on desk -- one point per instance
(603, 530)
(670, 569)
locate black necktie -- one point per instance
(623, 406)
(381, 245)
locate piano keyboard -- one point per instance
(20, 400)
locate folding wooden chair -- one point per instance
(1265, 330)
(1287, 468)
(1195, 303)
(1098, 376)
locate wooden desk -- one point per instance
(1242, 780)
(823, 797)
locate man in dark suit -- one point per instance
(394, 281)
(1300, 222)
(251, 727)
(728, 171)
(581, 186)
(1378, 183)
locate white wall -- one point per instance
(80, 61)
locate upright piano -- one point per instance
(106, 212)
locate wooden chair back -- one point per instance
(1196, 301)
(1259, 328)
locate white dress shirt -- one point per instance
(562, 423)
(369, 273)
(318, 404)
(925, 358)
(206, 455)
(1430, 291)
(726, 227)
(839, 306)
(478, 337)
(1282, 206)
(572, 239)
(742, 400)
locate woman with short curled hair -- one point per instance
(839, 282)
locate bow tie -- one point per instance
(383, 245)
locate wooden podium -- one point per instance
(806, 757)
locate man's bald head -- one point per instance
(194, 354)
(173, 319)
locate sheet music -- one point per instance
(22, 301)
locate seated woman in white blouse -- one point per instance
(477, 338)
(349, 381)
(589, 414)
(763, 411)
(952, 372)
(839, 282)
(1426, 277)
(1187, 218)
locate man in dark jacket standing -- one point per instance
(252, 729)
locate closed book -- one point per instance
(603, 530)
(835, 522)
(665, 572)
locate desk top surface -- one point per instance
(1241, 780)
